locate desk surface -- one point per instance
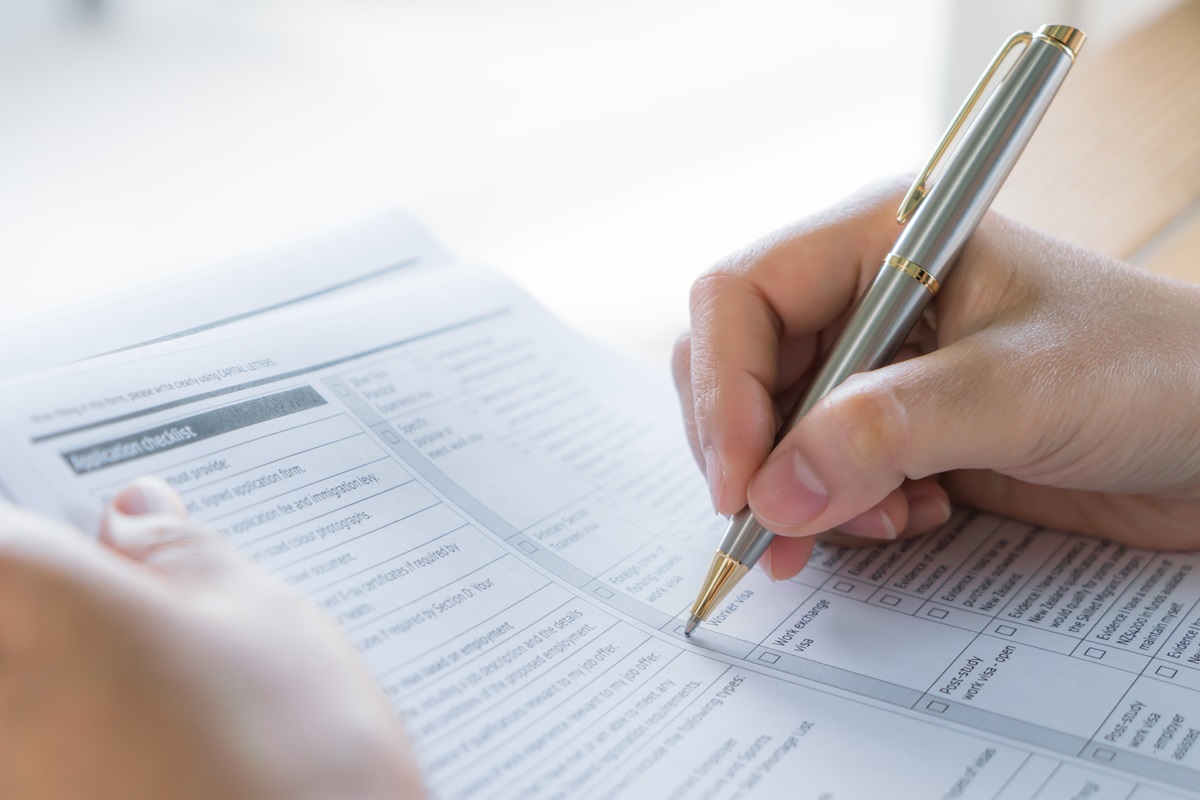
(1115, 165)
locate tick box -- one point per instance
(1103, 754)
(528, 547)
(1005, 630)
(769, 658)
(937, 706)
(890, 600)
(603, 591)
(937, 613)
(1166, 672)
(842, 586)
(1094, 652)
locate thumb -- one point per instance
(950, 409)
(146, 522)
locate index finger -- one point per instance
(755, 324)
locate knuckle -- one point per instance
(707, 394)
(869, 417)
(707, 289)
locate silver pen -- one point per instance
(939, 222)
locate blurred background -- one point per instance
(601, 154)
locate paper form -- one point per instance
(375, 249)
(505, 520)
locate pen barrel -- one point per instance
(882, 318)
(989, 149)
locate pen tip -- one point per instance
(691, 625)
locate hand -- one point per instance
(157, 663)
(1048, 383)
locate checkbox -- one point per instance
(1094, 652)
(342, 390)
(890, 600)
(842, 586)
(769, 658)
(1005, 630)
(937, 613)
(391, 436)
(1102, 754)
(937, 706)
(679, 629)
(603, 591)
(528, 547)
(1166, 672)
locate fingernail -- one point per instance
(787, 492)
(889, 527)
(141, 512)
(148, 495)
(716, 477)
(926, 513)
(871, 524)
(765, 561)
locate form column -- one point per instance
(1154, 728)
(856, 630)
(1031, 673)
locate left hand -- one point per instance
(158, 663)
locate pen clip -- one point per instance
(919, 190)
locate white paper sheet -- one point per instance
(505, 520)
(373, 250)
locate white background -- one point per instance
(602, 154)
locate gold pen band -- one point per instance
(917, 273)
(1041, 37)
(1069, 39)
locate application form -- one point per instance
(506, 521)
(375, 249)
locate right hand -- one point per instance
(1048, 383)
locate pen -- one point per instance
(939, 222)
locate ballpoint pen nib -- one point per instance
(723, 574)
